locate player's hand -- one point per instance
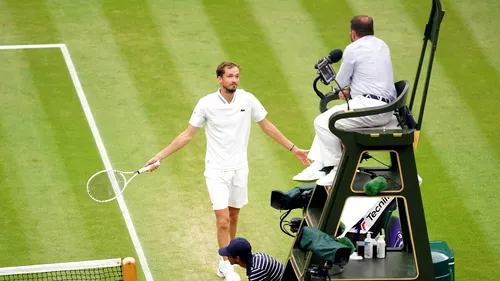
(152, 161)
(301, 155)
(344, 94)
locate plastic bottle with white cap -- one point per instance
(368, 246)
(381, 247)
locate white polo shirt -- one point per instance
(227, 127)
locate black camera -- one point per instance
(317, 273)
(297, 197)
(324, 68)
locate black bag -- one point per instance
(408, 118)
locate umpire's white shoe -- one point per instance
(328, 179)
(311, 173)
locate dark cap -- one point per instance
(238, 247)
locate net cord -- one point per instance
(60, 266)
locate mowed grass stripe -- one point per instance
(40, 30)
(151, 70)
(297, 46)
(33, 21)
(149, 64)
(18, 232)
(467, 157)
(195, 53)
(447, 217)
(116, 103)
(481, 27)
(48, 212)
(197, 49)
(466, 66)
(15, 229)
(332, 22)
(113, 98)
(8, 32)
(64, 116)
(123, 121)
(74, 144)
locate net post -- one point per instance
(129, 269)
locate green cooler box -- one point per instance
(443, 259)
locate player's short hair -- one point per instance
(362, 25)
(221, 68)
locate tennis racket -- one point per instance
(107, 185)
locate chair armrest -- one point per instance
(358, 113)
(323, 103)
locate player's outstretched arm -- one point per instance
(274, 133)
(179, 142)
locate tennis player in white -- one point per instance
(227, 114)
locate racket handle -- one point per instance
(147, 168)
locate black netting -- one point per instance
(104, 274)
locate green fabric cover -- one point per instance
(324, 246)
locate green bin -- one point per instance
(443, 259)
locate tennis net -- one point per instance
(107, 270)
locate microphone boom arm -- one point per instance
(315, 87)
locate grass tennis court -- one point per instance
(143, 65)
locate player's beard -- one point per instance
(231, 90)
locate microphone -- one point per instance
(326, 72)
(335, 56)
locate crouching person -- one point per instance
(259, 266)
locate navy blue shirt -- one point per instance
(263, 267)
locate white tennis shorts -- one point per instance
(227, 188)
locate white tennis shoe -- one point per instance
(310, 173)
(226, 271)
(328, 179)
(221, 269)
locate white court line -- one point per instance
(99, 143)
(35, 46)
(105, 160)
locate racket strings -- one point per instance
(106, 185)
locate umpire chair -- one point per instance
(399, 138)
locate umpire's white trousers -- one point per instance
(326, 147)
